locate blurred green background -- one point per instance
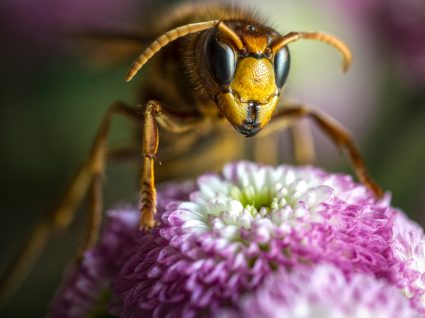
(53, 97)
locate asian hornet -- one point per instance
(212, 64)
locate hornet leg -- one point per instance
(154, 115)
(342, 139)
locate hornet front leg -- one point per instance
(334, 130)
(154, 115)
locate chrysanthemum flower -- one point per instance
(322, 291)
(408, 246)
(219, 240)
(89, 281)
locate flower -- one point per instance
(408, 246)
(400, 25)
(221, 240)
(88, 281)
(322, 291)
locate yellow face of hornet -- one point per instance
(249, 81)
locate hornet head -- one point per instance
(248, 74)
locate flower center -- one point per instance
(252, 199)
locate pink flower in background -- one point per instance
(398, 24)
(53, 18)
(403, 25)
(219, 243)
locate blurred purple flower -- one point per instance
(404, 28)
(41, 21)
(400, 24)
(82, 289)
(221, 239)
(37, 33)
